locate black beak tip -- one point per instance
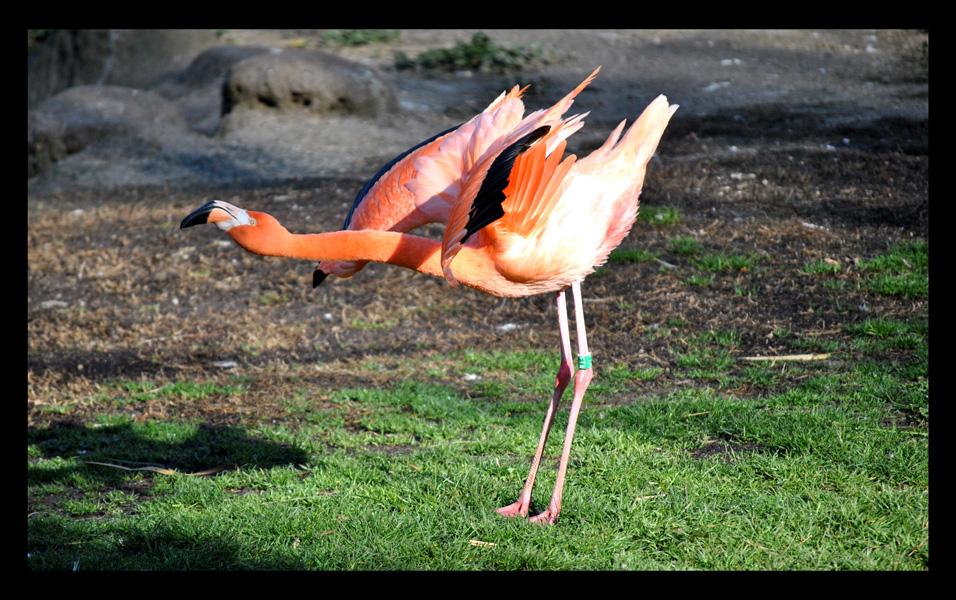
(190, 221)
(317, 278)
(200, 216)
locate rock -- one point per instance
(197, 90)
(82, 116)
(211, 66)
(67, 58)
(124, 57)
(306, 80)
(151, 136)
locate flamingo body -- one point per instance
(422, 184)
(520, 219)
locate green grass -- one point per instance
(479, 53)
(659, 215)
(721, 261)
(709, 355)
(826, 469)
(146, 390)
(822, 267)
(685, 245)
(626, 255)
(356, 37)
(714, 463)
(700, 280)
(707, 265)
(901, 271)
(272, 297)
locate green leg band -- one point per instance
(584, 361)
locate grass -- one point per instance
(713, 463)
(822, 267)
(721, 261)
(901, 271)
(659, 215)
(827, 469)
(479, 53)
(685, 245)
(356, 37)
(626, 255)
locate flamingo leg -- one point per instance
(581, 380)
(520, 508)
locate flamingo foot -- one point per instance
(548, 517)
(517, 509)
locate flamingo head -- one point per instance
(224, 215)
(257, 232)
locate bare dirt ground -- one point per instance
(793, 146)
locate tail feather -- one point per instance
(632, 153)
(646, 133)
(562, 129)
(552, 115)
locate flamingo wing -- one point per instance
(515, 199)
(443, 174)
(482, 196)
(424, 183)
(363, 193)
(318, 276)
(419, 186)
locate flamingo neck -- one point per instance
(473, 267)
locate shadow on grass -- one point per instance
(186, 449)
(134, 546)
(61, 539)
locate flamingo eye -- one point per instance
(252, 221)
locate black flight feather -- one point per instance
(486, 208)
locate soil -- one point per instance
(793, 147)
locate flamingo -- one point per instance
(521, 219)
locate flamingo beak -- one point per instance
(200, 216)
(224, 215)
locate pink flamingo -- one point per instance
(520, 220)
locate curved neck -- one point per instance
(473, 267)
(404, 250)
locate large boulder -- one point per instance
(197, 89)
(261, 113)
(306, 80)
(137, 58)
(85, 115)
